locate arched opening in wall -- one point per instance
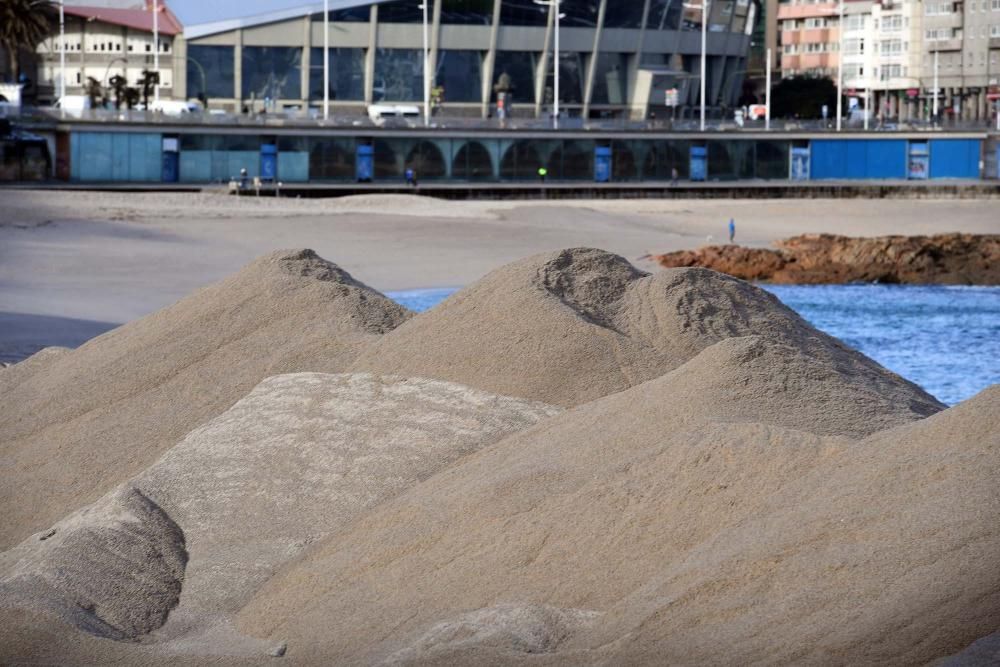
(520, 162)
(386, 160)
(426, 160)
(771, 159)
(720, 163)
(473, 163)
(331, 159)
(623, 166)
(576, 160)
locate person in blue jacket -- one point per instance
(732, 230)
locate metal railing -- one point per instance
(41, 116)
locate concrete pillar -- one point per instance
(370, 57)
(180, 68)
(306, 61)
(489, 64)
(435, 38)
(638, 102)
(541, 75)
(238, 69)
(588, 86)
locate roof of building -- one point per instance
(138, 19)
(201, 18)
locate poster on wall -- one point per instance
(798, 166)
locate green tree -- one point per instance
(23, 24)
(802, 97)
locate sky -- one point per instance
(191, 12)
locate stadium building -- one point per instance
(617, 57)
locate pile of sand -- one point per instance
(690, 541)
(729, 485)
(75, 424)
(301, 455)
(572, 326)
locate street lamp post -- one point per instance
(427, 71)
(704, 44)
(326, 59)
(156, 50)
(555, 67)
(62, 49)
(840, 66)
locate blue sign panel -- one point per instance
(364, 163)
(602, 164)
(699, 163)
(798, 165)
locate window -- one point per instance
(625, 15)
(995, 31)
(517, 69)
(210, 71)
(611, 79)
(401, 12)
(272, 72)
(398, 75)
(460, 73)
(347, 73)
(467, 12)
(523, 13)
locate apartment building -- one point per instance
(810, 38)
(883, 58)
(962, 43)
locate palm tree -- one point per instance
(23, 24)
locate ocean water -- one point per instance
(945, 339)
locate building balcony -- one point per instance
(954, 44)
(995, 42)
(786, 11)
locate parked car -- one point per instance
(393, 114)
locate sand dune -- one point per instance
(727, 485)
(714, 543)
(84, 421)
(572, 326)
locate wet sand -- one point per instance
(113, 257)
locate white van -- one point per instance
(382, 114)
(175, 107)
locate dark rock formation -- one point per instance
(950, 259)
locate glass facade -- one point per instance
(272, 72)
(347, 74)
(666, 14)
(623, 15)
(523, 13)
(580, 13)
(611, 79)
(571, 79)
(210, 71)
(351, 15)
(398, 75)
(406, 11)
(467, 12)
(460, 73)
(520, 67)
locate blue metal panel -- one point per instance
(886, 158)
(119, 157)
(828, 159)
(196, 166)
(170, 167)
(95, 156)
(856, 159)
(293, 167)
(955, 158)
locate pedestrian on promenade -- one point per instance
(732, 230)
(674, 175)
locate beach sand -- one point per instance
(113, 257)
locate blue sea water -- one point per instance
(945, 339)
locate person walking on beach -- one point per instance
(732, 230)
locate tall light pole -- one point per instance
(840, 67)
(156, 50)
(326, 59)
(555, 67)
(767, 92)
(427, 69)
(62, 49)
(934, 113)
(704, 45)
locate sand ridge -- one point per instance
(726, 486)
(575, 325)
(78, 423)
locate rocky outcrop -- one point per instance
(812, 259)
